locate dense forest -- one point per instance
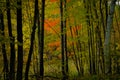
(59, 39)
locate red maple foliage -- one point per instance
(51, 25)
(58, 43)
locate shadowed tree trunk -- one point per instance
(41, 43)
(32, 40)
(5, 61)
(12, 46)
(63, 40)
(20, 41)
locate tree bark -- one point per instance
(5, 60)
(20, 41)
(107, 38)
(32, 40)
(41, 43)
(12, 46)
(62, 40)
(65, 41)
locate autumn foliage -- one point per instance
(50, 25)
(56, 45)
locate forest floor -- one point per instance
(85, 77)
(53, 72)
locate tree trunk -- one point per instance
(20, 41)
(107, 38)
(65, 42)
(42, 39)
(12, 46)
(32, 40)
(92, 40)
(88, 30)
(62, 40)
(5, 60)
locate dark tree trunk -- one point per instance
(5, 60)
(20, 41)
(102, 17)
(65, 42)
(42, 39)
(12, 46)
(106, 14)
(62, 40)
(32, 40)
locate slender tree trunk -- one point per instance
(88, 30)
(102, 18)
(20, 41)
(106, 14)
(12, 46)
(92, 40)
(62, 40)
(42, 39)
(79, 55)
(32, 40)
(73, 48)
(117, 57)
(74, 51)
(107, 38)
(5, 60)
(65, 41)
(98, 31)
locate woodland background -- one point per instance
(59, 39)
